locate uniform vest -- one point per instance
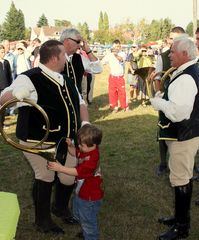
(186, 129)
(61, 103)
(75, 70)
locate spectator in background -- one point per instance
(145, 63)
(35, 52)
(5, 70)
(116, 85)
(130, 67)
(21, 60)
(5, 73)
(9, 56)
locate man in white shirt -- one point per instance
(66, 111)
(163, 64)
(116, 85)
(179, 127)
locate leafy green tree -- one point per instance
(101, 21)
(106, 22)
(43, 21)
(14, 26)
(156, 30)
(101, 36)
(62, 23)
(27, 33)
(167, 26)
(189, 28)
(84, 30)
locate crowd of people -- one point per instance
(65, 69)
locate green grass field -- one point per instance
(134, 196)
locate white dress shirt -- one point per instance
(90, 67)
(181, 94)
(116, 67)
(24, 81)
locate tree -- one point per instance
(156, 30)
(62, 23)
(101, 36)
(27, 33)
(189, 28)
(43, 21)
(101, 22)
(84, 30)
(106, 22)
(14, 26)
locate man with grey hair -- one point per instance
(77, 64)
(163, 64)
(179, 127)
(75, 67)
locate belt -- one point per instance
(116, 76)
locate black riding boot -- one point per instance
(162, 168)
(61, 203)
(41, 196)
(182, 214)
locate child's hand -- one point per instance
(69, 142)
(54, 166)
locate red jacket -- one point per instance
(88, 169)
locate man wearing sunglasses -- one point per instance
(77, 64)
(75, 67)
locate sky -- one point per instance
(79, 11)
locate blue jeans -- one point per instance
(86, 212)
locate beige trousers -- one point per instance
(39, 166)
(181, 160)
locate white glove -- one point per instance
(159, 94)
(20, 93)
(157, 103)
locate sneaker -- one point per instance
(115, 110)
(126, 109)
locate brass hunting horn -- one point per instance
(161, 87)
(37, 148)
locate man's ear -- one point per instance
(185, 53)
(54, 59)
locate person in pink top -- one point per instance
(88, 192)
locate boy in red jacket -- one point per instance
(88, 192)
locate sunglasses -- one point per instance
(74, 40)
